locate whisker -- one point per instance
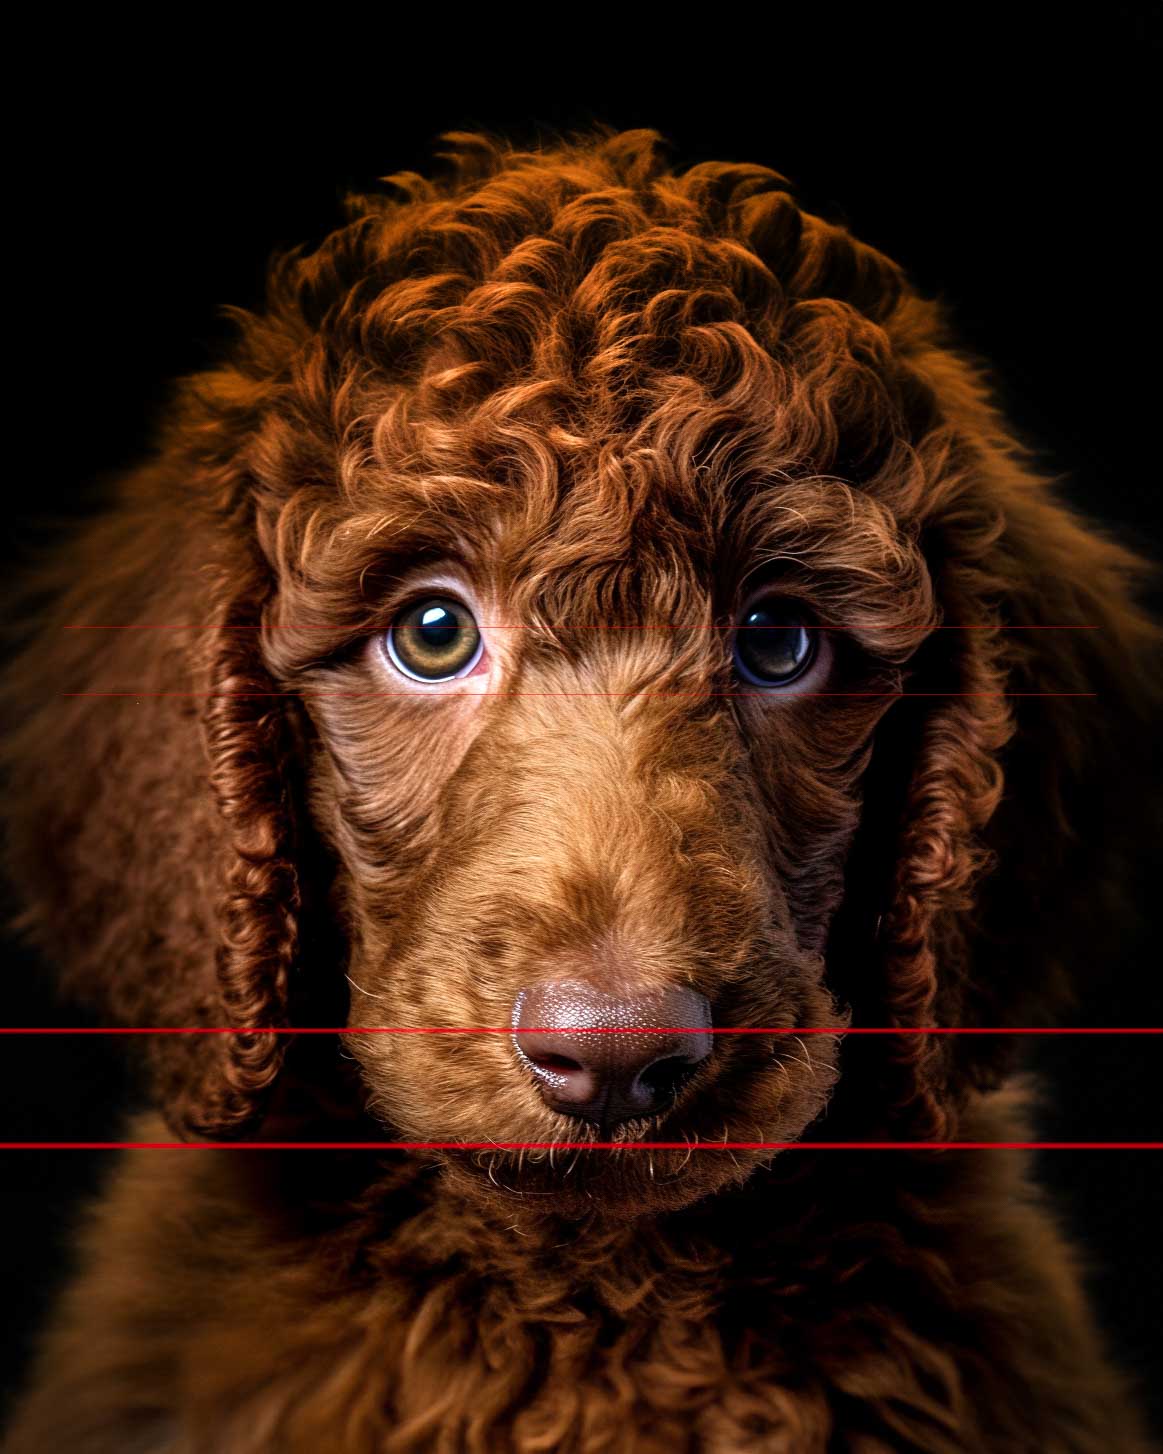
(807, 1052)
(361, 989)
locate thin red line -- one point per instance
(318, 693)
(657, 626)
(581, 1029)
(580, 1145)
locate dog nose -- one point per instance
(610, 1058)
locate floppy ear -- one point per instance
(1016, 790)
(150, 798)
(252, 773)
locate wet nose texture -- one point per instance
(610, 1058)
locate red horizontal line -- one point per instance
(581, 1029)
(311, 692)
(573, 626)
(581, 1145)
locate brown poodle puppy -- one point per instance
(597, 604)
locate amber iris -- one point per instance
(434, 639)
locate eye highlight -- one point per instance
(434, 640)
(772, 646)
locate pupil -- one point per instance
(438, 627)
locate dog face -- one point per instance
(612, 771)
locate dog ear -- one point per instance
(252, 773)
(152, 826)
(1015, 778)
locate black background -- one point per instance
(1008, 160)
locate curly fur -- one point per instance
(603, 393)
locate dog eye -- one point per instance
(773, 648)
(434, 640)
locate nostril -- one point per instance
(668, 1076)
(558, 1064)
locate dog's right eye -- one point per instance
(434, 640)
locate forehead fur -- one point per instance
(657, 373)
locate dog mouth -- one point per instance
(636, 1173)
(599, 1160)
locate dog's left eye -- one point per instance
(773, 647)
(434, 640)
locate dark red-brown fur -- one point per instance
(602, 394)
